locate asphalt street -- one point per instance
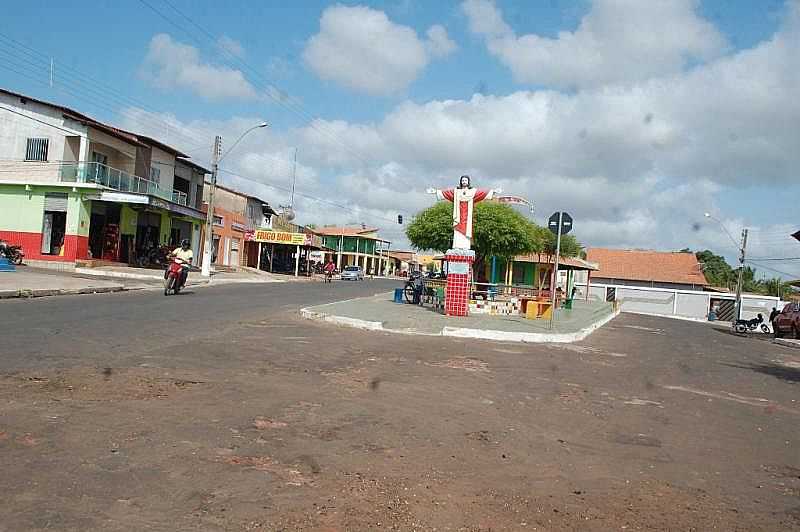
(103, 328)
(222, 409)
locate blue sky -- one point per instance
(486, 69)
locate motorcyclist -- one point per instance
(183, 256)
(330, 267)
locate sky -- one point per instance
(635, 117)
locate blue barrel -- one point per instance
(398, 295)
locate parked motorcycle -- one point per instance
(175, 277)
(744, 326)
(14, 254)
(154, 256)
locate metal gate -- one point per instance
(727, 308)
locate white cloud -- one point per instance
(617, 41)
(360, 48)
(438, 43)
(230, 45)
(170, 64)
(635, 165)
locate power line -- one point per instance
(266, 86)
(96, 86)
(771, 269)
(75, 90)
(355, 211)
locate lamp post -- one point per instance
(216, 159)
(742, 249)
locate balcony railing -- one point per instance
(115, 179)
(181, 198)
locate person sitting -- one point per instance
(184, 256)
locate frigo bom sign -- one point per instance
(278, 237)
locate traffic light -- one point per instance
(400, 219)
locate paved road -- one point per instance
(102, 328)
(235, 414)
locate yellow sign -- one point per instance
(279, 237)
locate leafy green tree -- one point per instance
(776, 287)
(497, 230)
(570, 247)
(717, 271)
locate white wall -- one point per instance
(166, 163)
(693, 304)
(15, 131)
(121, 155)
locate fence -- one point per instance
(692, 304)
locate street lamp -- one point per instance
(741, 262)
(722, 225)
(217, 158)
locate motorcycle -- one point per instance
(154, 256)
(175, 276)
(14, 254)
(744, 326)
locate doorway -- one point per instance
(104, 240)
(54, 223)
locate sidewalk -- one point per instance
(364, 313)
(31, 283)
(157, 275)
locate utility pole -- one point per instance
(555, 269)
(215, 156)
(741, 273)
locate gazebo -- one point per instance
(536, 270)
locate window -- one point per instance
(36, 150)
(155, 174)
(219, 221)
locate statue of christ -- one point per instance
(463, 198)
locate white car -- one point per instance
(353, 273)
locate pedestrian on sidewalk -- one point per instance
(419, 285)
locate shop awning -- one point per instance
(144, 199)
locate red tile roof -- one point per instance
(346, 231)
(644, 265)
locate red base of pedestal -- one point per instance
(456, 301)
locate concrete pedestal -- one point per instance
(459, 281)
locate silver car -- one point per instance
(353, 273)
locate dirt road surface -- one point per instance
(224, 410)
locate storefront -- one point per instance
(284, 252)
(51, 222)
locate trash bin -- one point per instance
(568, 304)
(398, 295)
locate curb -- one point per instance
(46, 292)
(119, 275)
(787, 343)
(461, 332)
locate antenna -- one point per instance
(52, 68)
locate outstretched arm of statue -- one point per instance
(441, 194)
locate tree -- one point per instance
(776, 287)
(570, 247)
(497, 230)
(717, 271)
